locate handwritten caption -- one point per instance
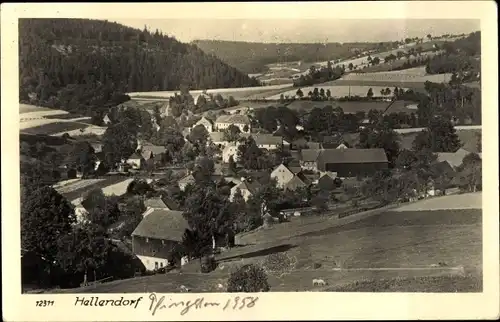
(158, 303)
(236, 303)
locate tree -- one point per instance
(81, 156)
(208, 214)
(46, 216)
(232, 133)
(328, 94)
(249, 154)
(440, 136)
(350, 66)
(248, 278)
(198, 134)
(375, 61)
(246, 128)
(232, 165)
(381, 137)
(370, 93)
(102, 210)
(119, 142)
(84, 249)
(299, 93)
(429, 36)
(470, 172)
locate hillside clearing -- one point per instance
(460, 201)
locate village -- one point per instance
(190, 188)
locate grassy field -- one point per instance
(383, 250)
(467, 137)
(76, 189)
(55, 127)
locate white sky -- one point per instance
(303, 30)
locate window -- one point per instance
(161, 264)
(156, 265)
(147, 240)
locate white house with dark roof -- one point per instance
(282, 174)
(185, 181)
(152, 151)
(158, 236)
(246, 188)
(231, 149)
(267, 141)
(208, 124)
(239, 120)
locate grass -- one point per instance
(380, 240)
(77, 189)
(352, 106)
(55, 127)
(25, 108)
(433, 284)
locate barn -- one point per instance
(352, 162)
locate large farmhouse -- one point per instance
(158, 237)
(352, 162)
(241, 121)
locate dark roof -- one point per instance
(162, 224)
(267, 139)
(250, 186)
(135, 155)
(156, 149)
(309, 155)
(294, 183)
(161, 202)
(294, 169)
(313, 145)
(352, 156)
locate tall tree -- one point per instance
(46, 217)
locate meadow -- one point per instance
(376, 251)
(54, 127)
(116, 185)
(353, 106)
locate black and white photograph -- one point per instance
(236, 155)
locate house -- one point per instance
(268, 141)
(308, 159)
(282, 175)
(208, 124)
(106, 120)
(158, 236)
(326, 181)
(352, 162)
(218, 138)
(152, 151)
(294, 184)
(185, 181)
(247, 189)
(239, 120)
(454, 159)
(97, 146)
(135, 161)
(161, 203)
(231, 149)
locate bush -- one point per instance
(248, 278)
(278, 263)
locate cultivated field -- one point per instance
(73, 190)
(377, 250)
(393, 78)
(54, 127)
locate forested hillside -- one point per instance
(84, 65)
(252, 57)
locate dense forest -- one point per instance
(85, 65)
(252, 57)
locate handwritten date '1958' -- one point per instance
(236, 303)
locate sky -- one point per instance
(303, 30)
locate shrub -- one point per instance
(278, 263)
(248, 278)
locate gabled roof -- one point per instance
(162, 224)
(187, 179)
(295, 169)
(247, 185)
(161, 203)
(453, 158)
(267, 139)
(282, 167)
(204, 120)
(156, 149)
(146, 154)
(135, 156)
(351, 156)
(233, 119)
(294, 183)
(217, 136)
(309, 155)
(328, 174)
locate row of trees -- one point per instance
(321, 75)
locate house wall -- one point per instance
(354, 169)
(206, 124)
(134, 163)
(309, 165)
(233, 151)
(241, 126)
(153, 251)
(282, 176)
(268, 146)
(245, 193)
